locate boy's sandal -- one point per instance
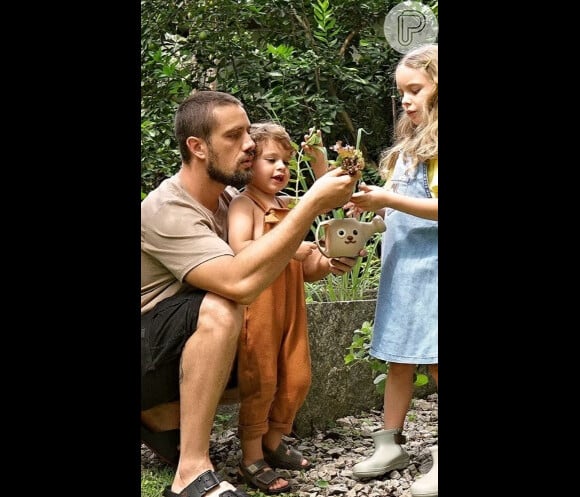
(285, 457)
(261, 476)
(202, 485)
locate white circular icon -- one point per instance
(410, 24)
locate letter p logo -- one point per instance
(410, 24)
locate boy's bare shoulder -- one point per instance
(240, 199)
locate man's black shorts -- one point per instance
(164, 331)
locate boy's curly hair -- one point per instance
(268, 130)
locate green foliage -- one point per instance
(421, 379)
(359, 351)
(325, 31)
(324, 62)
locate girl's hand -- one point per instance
(351, 210)
(368, 198)
(358, 204)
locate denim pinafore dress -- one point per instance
(406, 316)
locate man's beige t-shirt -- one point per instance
(178, 234)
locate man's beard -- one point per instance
(237, 179)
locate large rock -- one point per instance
(337, 390)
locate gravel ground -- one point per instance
(333, 453)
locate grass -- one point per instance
(153, 481)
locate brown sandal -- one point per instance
(285, 457)
(261, 476)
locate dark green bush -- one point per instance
(303, 63)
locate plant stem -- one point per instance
(358, 137)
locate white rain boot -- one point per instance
(388, 455)
(428, 484)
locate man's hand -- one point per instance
(331, 190)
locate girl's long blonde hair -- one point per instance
(417, 143)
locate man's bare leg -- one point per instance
(205, 367)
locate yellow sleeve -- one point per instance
(433, 177)
(388, 179)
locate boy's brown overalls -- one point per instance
(274, 370)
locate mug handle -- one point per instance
(322, 249)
